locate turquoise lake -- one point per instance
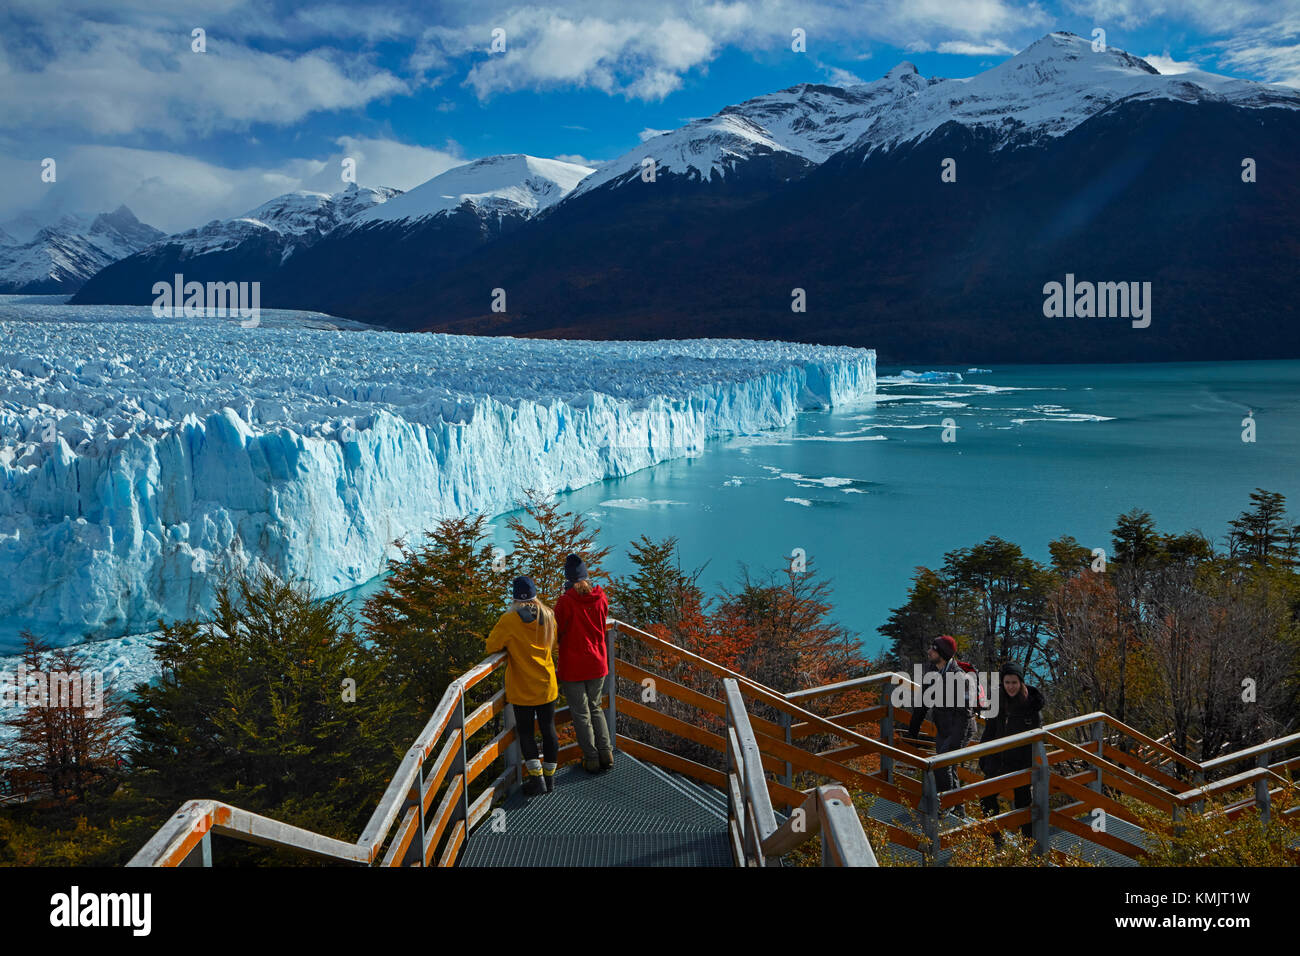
(870, 493)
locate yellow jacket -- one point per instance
(530, 669)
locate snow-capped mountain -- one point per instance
(60, 257)
(290, 221)
(307, 247)
(802, 125)
(503, 185)
(1066, 156)
(1047, 89)
(1069, 162)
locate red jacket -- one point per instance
(580, 628)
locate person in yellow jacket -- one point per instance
(526, 633)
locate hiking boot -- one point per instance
(606, 759)
(533, 784)
(591, 766)
(548, 777)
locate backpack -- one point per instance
(982, 703)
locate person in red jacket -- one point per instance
(583, 664)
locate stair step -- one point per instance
(629, 815)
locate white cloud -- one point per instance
(176, 192)
(840, 77)
(1272, 52)
(580, 160)
(1168, 65)
(966, 48)
(385, 162)
(645, 53)
(112, 79)
(1217, 16)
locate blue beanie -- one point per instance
(575, 569)
(525, 589)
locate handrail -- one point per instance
(405, 820)
(407, 796)
(771, 697)
(750, 819)
(1160, 791)
(828, 811)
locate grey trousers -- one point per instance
(588, 717)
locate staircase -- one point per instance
(456, 798)
(631, 815)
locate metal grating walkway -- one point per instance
(632, 815)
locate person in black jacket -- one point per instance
(953, 716)
(1020, 708)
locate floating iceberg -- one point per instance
(140, 461)
(929, 378)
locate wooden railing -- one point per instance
(756, 840)
(1093, 774)
(759, 758)
(406, 822)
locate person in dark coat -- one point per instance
(953, 717)
(1020, 708)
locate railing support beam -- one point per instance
(1042, 803)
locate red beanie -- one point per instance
(946, 647)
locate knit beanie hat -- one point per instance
(1011, 668)
(524, 589)
(575, 569)
(946, 647)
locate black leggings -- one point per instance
(545, 717)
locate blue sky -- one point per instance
(115, 93)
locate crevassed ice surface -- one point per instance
(142, 458)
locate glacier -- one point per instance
(141, 460)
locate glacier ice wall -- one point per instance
(140, 461)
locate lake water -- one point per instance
(870, 493)
(1040, 451)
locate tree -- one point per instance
(1097, 662)
(275, 704)
(1263, 531)
(440, 600)
(1069, 557)
(541, 546)
(70, 734)
(1008, 594)
(927, 614)
(658, 592)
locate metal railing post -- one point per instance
(415, 852)
(611, 687)
(930, 816)
(1263, 799)
(461, 765)
(1099, 738)
(789, 738)
(1042, 804)
(514, 756)
(734, 813)
(201, 855)
(887, 733)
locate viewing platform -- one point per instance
(457, 799)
